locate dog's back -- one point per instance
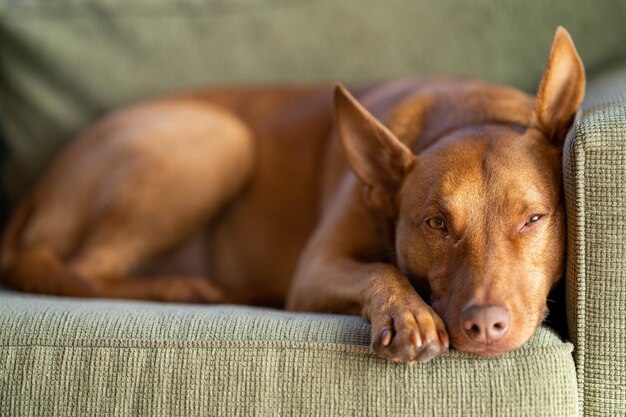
(253, 241)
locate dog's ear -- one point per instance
(561, 90)
(374, 153)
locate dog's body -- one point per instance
(245, 189)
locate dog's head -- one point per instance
(480, 213)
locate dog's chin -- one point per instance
(486, 351)
(463, 344)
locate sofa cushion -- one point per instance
(65, 62)
(73, 357)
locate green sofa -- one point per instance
(65, 62)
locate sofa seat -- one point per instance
(75, 357)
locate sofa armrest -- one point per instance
(595, 191)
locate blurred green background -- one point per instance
(65, 62)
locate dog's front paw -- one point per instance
(409, 334)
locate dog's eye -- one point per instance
(436, 223)
(534, 218)
(531, 221)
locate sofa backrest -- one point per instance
(65, 62)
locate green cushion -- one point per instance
(72, 357)
(64, 62)
(595, 186)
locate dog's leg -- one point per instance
(39, 270)
(404, 327)
(337, 271)
(334, 276)
(146, 182)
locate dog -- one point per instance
(368, 202)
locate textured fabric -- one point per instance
(595, 186)
(75, 358)
(64, 62)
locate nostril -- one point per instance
(498, 330)
(499, 319)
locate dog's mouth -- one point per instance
(519, 331)
(461, 342)
(487, 351)
(483, 350)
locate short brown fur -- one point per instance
(445, 189)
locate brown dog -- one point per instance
(457, 195)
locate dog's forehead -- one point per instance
(480, 167)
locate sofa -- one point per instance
(63, 63)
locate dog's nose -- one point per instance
(485, 324)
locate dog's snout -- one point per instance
(485, 323)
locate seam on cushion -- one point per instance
(142, 344)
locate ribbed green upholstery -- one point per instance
(595, 186)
